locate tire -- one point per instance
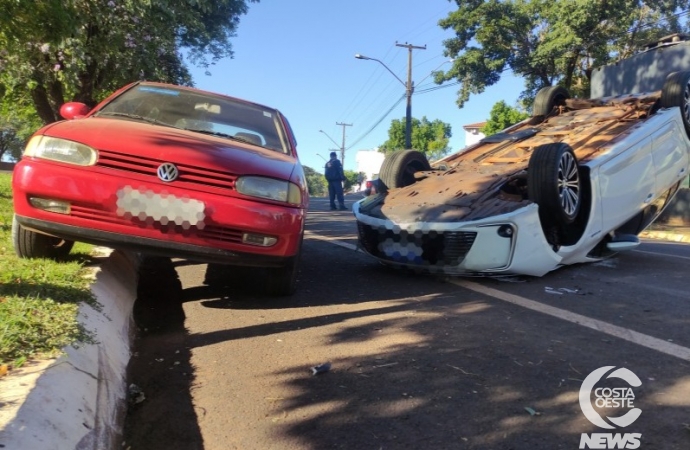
(29, 244)
(553, 183)
(547, 98)
(282, 281)
(401, 167)
(676, 92)
(386, 168)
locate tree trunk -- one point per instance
(87, 84)
(42, 104)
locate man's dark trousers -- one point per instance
(335, 189)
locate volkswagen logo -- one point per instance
(168, 172)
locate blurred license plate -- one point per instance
(164, 208)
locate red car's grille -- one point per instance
(149, 166)
(212, 233)
(223, 234)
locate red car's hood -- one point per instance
(174, 145)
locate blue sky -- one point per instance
(298, 56)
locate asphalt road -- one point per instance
(417, 362)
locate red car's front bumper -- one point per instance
(111, 209)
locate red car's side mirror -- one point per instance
(74, 110)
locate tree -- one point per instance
(61, 50)
(501, 117)
(10, 143)
(316, 183)
(18, 121)
(430, 138)
(548, 42)
(350, 179)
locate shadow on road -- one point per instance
(161, 366)
(415, 363)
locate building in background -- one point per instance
(472, 133)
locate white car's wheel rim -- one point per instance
(568, 183)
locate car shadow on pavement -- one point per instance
(160, 366)
(242, 288)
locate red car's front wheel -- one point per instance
(29, 244)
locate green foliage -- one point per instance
(61, 50)
(316, 183)
(39, 298)
(18, 121)
(501, 117)
(549, 42)
(430, 138)
(318, 186)
(350, 179)
(10, 143)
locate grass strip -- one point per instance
(39, 298)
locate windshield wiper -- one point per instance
(223, 135)
(212, 133)
(134, 116)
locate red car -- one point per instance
(166, 170)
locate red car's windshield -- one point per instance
(201, 113)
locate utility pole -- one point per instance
(342, 147)
(409, 88)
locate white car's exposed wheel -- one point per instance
(553, 182)
(547, 98)
(29, 244)
(676, 92)
(401, 166)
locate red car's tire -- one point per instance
(29, 244)
(282, 281)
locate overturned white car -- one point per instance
(575, 183)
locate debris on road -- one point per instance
(532, 412)
(136, 395)
(386, 365)
(560, 291)
(463, 371)
(322, 368)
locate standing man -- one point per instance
(335, 177)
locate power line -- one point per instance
(419, 90)
(359, 139)
(436, 88)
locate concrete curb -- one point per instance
(39, 407)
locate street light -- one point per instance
(358, 56)
(408, 93)
(409, 88)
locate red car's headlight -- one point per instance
(269, 188)
(61, 150)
